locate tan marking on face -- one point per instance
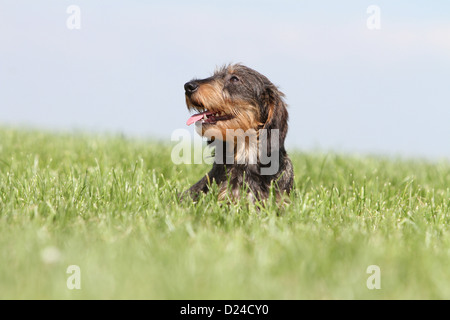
(211, 96)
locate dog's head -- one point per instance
(236, 97)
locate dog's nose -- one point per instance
(190, 87)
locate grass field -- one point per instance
(108, 205)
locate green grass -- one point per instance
(108, 204)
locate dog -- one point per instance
(244, 116)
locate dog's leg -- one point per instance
(217, 175)
(285, 178)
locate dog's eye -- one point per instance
(234, 79)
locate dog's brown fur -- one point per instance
(250, 102)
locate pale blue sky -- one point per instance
(348, 88)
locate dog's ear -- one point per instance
(275, 112)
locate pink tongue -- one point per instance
(196, 117)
